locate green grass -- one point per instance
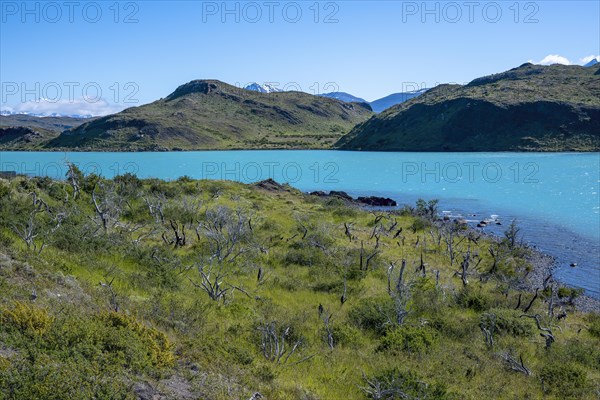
(169, 334)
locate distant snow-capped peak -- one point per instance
(264, 88)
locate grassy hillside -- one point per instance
(530, 108)
(57, 124)
(18, 137)
(207, 115)
(122, 289)
(32, 133)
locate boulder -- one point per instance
(270, 185)
(377, 201)
(342, 195)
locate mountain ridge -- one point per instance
(528, 108)
(208, 114)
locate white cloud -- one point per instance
(553, 59)
(65, 107)
(587, 59)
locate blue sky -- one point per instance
(137, 52)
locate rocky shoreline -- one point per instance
(373, 201)
(543, 266)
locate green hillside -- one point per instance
(529, 108)
(129, 289)
(209, 115)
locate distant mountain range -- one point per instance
(343, 96)
(44, 115)
(377, 105)
(384, 103)
(529, 108)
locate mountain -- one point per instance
(27, 131)
(529, 108)
(209, 114)
(592, 62)
(386, 102)
(377, 105)
(343, 96)
(53, 123)
(264, 88)
(15, 137)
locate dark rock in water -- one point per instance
(446, 218)
(498, 223)
(484, 223)
(341, 194)
(270, 185)
(377, 201)
(374, 201)
(573, 264)
(480, 225)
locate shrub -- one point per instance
(569, 293)
(345, 335)
(27, 318)
(583, 352)
(374, 314)
(304, 256)
(420, 224)
(125, 330)
(564, 380)
(508, 322)
(4, 363)
(50, 379)
(454, 323)
(594, 321)
(475, 299)
(426, 208)
(408, 338)
(4, 189)
(265, 372)
(397, 384)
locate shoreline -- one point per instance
(336, 149)
(544, 265)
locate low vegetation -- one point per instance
(129, 288)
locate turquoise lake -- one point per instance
(554, 196)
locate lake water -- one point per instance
(554, 196)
